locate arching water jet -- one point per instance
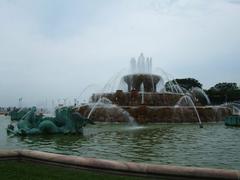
(188, 102)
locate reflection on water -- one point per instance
(180, 144)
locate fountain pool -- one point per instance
(177, 144)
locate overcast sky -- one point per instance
(52, 49)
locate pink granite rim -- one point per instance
(139, 169)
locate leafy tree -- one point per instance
(224, 92)
(224, 87)
(186, 83)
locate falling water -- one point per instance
(100, 100)
(105, 103)
(201, 92)
(235, 107)
(131, 121)
(188, 99)
(173, 85)
(236, 110)
(108, 87)
(142, 92)
(82, 93)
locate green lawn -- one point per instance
(10, 170)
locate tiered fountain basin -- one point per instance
(156, 114)
(149, 97)
(157, 108)
(134, 98)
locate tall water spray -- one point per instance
(142, 65)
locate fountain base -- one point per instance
(157, 114)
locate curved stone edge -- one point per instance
(139, 169)
(4, 154)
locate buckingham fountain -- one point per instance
(144, 96)
(141, 95)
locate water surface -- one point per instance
(215, 145)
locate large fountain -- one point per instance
(140, 95)
(151, 96)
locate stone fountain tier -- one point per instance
(156, 114)
(149, 81)
(134, 97)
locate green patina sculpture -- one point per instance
(17, 113)
(233, 120)
(66, 121)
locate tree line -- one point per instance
(218, 94)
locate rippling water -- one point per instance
(179, 144)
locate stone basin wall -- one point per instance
(156, 114)
(134, 98)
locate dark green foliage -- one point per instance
(224, 87)
(186, 83)
(224, 92)
(11, 170)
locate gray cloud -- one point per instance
(234, 1)
(48, 53)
